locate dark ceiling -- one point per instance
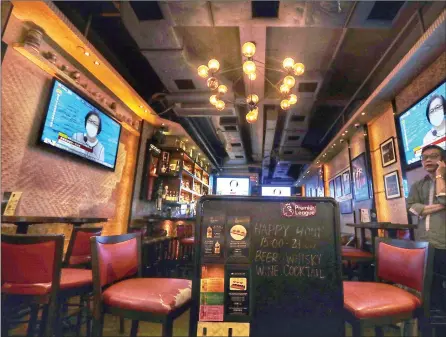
(342, 44)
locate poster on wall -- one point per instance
(338, 187)
(388, 155)
(331, 188)
(346, 186)
(360, 179)
(392, 185)
(345, 207)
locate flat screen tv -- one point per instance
(423, 124)
(75, 125)
(276, 191)
(233, 186)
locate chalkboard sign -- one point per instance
(293, 264)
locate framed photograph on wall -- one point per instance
(388, 155)
(392, 185)
(338, 187)
(360, 178)
(331, 188)
(346, 182)
(345, 207)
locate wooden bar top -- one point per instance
(49, 219)
(381, 225)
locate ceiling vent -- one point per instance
(230, 128)
(185, 84)
(147, 10)
(385, 10)
(293, 138)
(236, 144)
(296, 118)
(287, 152)
(307, 86)
(265, 9)
(239, 157)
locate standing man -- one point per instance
(427, 200)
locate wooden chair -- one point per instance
(401, 262)
(79, 248)
(120, 290)
(31, 272)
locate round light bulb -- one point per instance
(288, 63)
(289, 81)
(292, 99)
(249, 49)
(213, 99)
(285, 104)
(284, 89)
(212, 83)
(253, 98)
(220, 105)
(203, 71)
(249, 67)
(252, 76)
(298, 69)
(214, 65)
(222, 89)
(251, 117)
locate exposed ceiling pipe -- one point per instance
(389, 48)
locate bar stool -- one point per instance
(186, 244)
(31, 272)
(79, 248)
(403, 262)
(120, 290)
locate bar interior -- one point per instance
(223, 168)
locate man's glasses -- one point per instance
(432, 156)
(93, 122)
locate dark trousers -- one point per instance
(438, 294)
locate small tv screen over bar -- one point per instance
(74, 125)
(233, 186)
(276, 191)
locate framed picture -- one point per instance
(345, 207)
(360, 178)
(331, 188)
(388, 155)
(338, 187)
(392, 185)
(346, 182)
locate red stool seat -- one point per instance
(75, 278)
(371, 299)
(155, 295)
(36, 289)
(355, 253)
(188, 241)
(75, 260)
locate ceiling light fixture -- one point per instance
(363, 113)
(87, 53)
(249, 67)
(96, 62)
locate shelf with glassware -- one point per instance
(183, 180)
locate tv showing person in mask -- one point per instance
(73, 124)
(424, 124)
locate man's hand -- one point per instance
(441, 169)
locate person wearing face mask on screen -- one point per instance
(435, 116)
(93, 127)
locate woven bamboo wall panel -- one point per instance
(55, 184)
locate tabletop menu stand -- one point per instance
(267, 267)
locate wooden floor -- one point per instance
(181, 327)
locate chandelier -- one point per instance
(250, 65)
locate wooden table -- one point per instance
(22, 222)
(391, 228)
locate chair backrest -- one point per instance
(79, 247)
(405, 262)
(31, 259)
(115, 258)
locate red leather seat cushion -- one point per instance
(155, 295)
(80, 259)
(352, 252)
(371, 299)
(75, 278)
(188, 241)
(36, 289)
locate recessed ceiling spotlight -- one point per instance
(141, 106)
(363, 113)
(87, 53)
(145, 110)
(346, 131)
(96, 62)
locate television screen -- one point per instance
(74, 125)
(276, 191)
(232, 186)
(424, 124)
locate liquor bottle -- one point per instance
(209, 232)
(159, 198)
(217, 248)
